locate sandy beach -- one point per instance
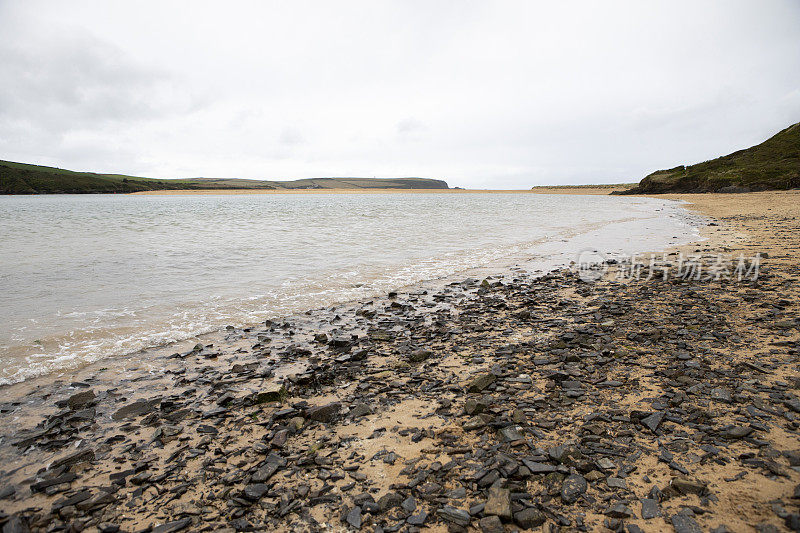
(510, 403)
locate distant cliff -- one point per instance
(22, 178)
(773, 164)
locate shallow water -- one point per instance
(88, 277)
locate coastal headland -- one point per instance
(511, 402)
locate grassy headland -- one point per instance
(22, 178)
(773, 164)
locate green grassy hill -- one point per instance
(22, 178)
(773, 164)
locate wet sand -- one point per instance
(508, 403)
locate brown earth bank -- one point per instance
(512, 403)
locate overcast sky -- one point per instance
(482, 94)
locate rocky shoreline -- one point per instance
(511, 403)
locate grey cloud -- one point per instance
(291, 137)
(80, 82)
(410, 126)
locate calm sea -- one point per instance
(85, 277)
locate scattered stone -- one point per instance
(418, 519)
(175, 525)
(572, 488)
(455, 516)
(80, 400)
(271, 393)
(418, 356)
(737, 432)
(324, 413)
(685, 523)
(653, 421)
(81, 456)
(498, 503)
(491, 524)
(132, 410)
(354, 517)
(255, 491)
(519, 381)
(686, 485)
(510, 434)
(619, 510)
(474, 406)
(650, 509)
(616, 483)
(360, 409)
(481, 382)
(529, 518)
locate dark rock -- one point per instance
(491, 524)
(456, 516)
(650, 509)
(737, 432)
(510, 434)
(390, 500)
(175, 525)
(265, 472)
(538, 468)
(481, 382)
(324, 413)
(271, 393)
(604, 463)
(721, 395)
(653, 421)
(418, 356)
(360, 409)
(132, 410)
(685, 523)
(529, 518)
(15, 525)
(58, 480)
(477, 422)
(565, 454)
(619, 510)
(81, 456)
(81, 400)
(340, 343)
(571, 489)
(417, 519)
(354, 517)
(498, 503)
(474, 406)
(409, 505)
(685, 485)
(793, 404)
(616, 483)
(255, 491)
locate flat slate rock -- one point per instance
(650, 508)
(685, 523)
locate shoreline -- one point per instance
(581, 190)
(391, 413)
(542, 254)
